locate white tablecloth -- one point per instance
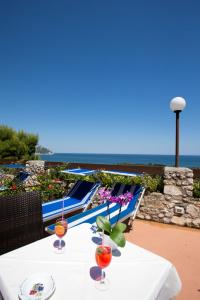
(134, 272)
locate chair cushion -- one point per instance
(80, 189)
(54, 206)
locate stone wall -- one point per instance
(34, 167)
(178, 183)
(176, 205)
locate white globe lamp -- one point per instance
(177, 104)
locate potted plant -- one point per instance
(116, 232)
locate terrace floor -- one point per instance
(180, 245)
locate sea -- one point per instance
(192, 161)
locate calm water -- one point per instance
(168, 160)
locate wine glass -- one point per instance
(61, 227)
(103, 256)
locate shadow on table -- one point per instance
(98, 241)
(95, 273)
(116, 253)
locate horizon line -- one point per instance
(96, 153)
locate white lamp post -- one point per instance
(177, 104)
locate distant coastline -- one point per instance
(40, 150)
(144, 159)
(47, 153)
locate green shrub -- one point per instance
(138, 180)
(55, 172)
(55, 184)
(153, 183)
(108, 180)
(196, 189)
(50, 188)
(11, 187)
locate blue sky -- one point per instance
(98, 76)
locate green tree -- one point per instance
(30, 140)
(6, 133)
(16, 145)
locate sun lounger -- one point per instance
(86, 172)
(3, 188)
(117, 172)
(18, 180)
(79, 197)
(22, 176)
(111, 211)
(82, 172)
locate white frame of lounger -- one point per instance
(119, 173)
(133, 214)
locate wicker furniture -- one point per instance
(20, 220)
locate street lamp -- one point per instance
(177, 104)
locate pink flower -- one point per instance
(104, 194)
(123, 199)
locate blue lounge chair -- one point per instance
(18, 180)
(86, 172)
(22, 176)
(122, 173)
(82, 172)
(79, 197)
(3, 188)
(112, 210)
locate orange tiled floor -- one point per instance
(180, 245)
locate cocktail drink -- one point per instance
(60, 230)
(103, 256)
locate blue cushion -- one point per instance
(80, 189)
(58, 204)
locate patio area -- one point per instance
(179, 245)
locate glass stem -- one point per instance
(63, 209)
(60, 244)
(102, 277)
